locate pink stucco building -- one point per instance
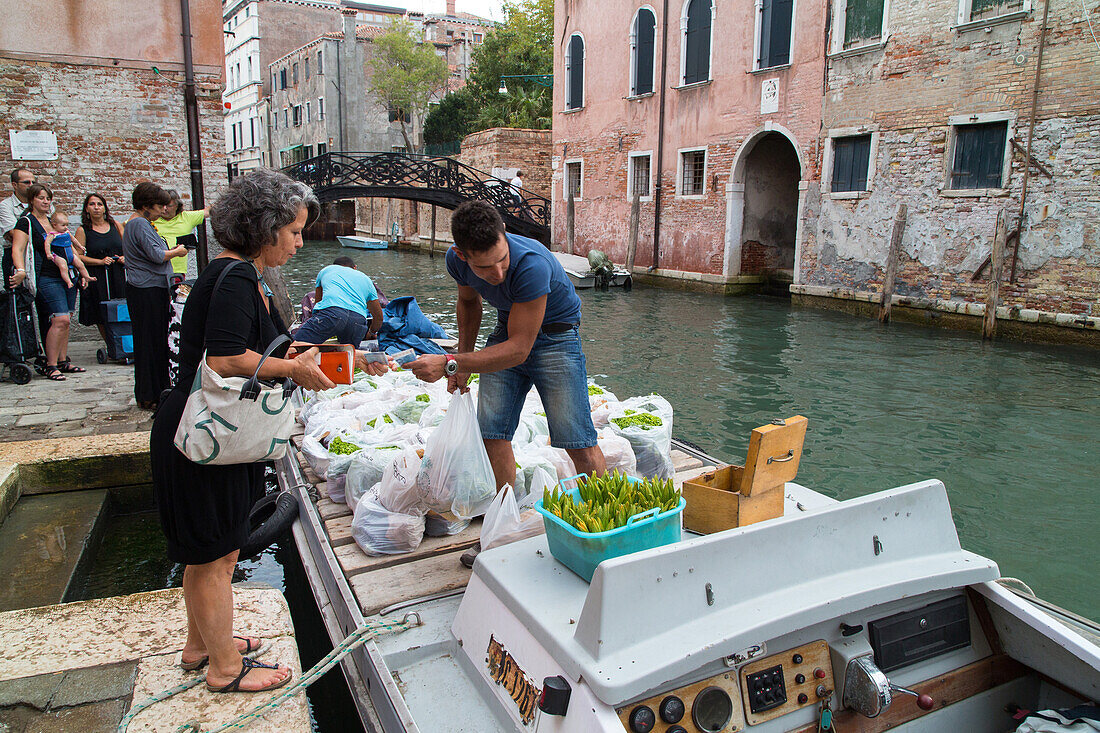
(709, 110)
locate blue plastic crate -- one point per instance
(581, 552)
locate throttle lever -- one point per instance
(924, 702)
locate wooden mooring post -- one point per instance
(431, 247)
(569, 210)
(996, 271)
(632, 242)
(892, 258)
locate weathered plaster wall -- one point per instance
(905, 94)
(721, 115)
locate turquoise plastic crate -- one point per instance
(581, 552)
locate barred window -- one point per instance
(693, 168)
(639, 176)
(573, 180)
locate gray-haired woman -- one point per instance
(204, 508)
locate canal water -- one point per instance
(1011, 429)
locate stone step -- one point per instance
(43, 542)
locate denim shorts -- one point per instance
(347, 326)
(54, 297)
(556, 368)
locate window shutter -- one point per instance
(576, 73)
(979, 155)
(862, 21)
(779, 35)
(643, 58)
(697, 40)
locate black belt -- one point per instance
(557, 327)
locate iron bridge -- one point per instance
(434, 180)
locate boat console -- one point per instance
(766, 627)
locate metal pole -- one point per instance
(660, 142)
(194, 144)
(1030, 136)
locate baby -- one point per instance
(61, 252)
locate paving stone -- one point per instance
(95, 684)
(33, 691)
(30, 409)
(98, 716)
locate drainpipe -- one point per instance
(1030, 137)
(194, 145)
(660, 142)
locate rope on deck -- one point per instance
(353, 641)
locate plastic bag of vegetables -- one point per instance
(379, 531)
(366, 469)
(456, 479)
(647, 423)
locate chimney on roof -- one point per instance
(450, 7)
(349, 24)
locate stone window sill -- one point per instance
(691, 196)
(972, 193)
(638, 97)
(641, 199)
(693, 85)
(770, 69)
(573, 111)
(859, 50)
(848, 195)
(976, 25)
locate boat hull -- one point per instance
(356, 242)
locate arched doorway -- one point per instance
(763, 207)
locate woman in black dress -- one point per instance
(204, 508)
(101, 237)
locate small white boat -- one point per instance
(357, 242)
(581, 275)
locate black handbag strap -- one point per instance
(251, 388)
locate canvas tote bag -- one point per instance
(229, 420)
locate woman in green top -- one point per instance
(178, 227)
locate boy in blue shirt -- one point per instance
(536, 341)
(346, 301)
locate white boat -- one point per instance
(856, 607)
(357, 242)
(581, 275)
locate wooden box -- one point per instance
(734, 496)
(713, 503)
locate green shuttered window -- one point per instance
(979, 155)
(851, 160)
(862, 22)
(697, 42)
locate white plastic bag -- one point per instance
(316, 454)
(365, 470)
(652, 443)
(456, 479)
(398, 491)
(507, 520)
(618, 453)
(379, 531)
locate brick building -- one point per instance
(109, 83)
(716, 129)
(320, 98)
(929, 104)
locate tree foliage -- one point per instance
(523, 44)
(450, 120)
(405, 74)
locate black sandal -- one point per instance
(67, 367)
(247, 665)
(53, 373)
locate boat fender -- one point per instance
(270, 517)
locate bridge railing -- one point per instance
(448, 182)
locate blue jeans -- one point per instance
(556, 368)
(347, 326)
(54, 297)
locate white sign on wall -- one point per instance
(769, 96)
(33, 145)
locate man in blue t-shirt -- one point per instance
(536, 341)
(346, 301)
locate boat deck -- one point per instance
(433, 568)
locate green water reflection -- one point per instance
(1012, 430)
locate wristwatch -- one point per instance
(451, 367)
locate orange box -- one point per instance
(337, 362)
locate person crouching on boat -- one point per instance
(204, 508)
(536, 341)
(346, 306)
